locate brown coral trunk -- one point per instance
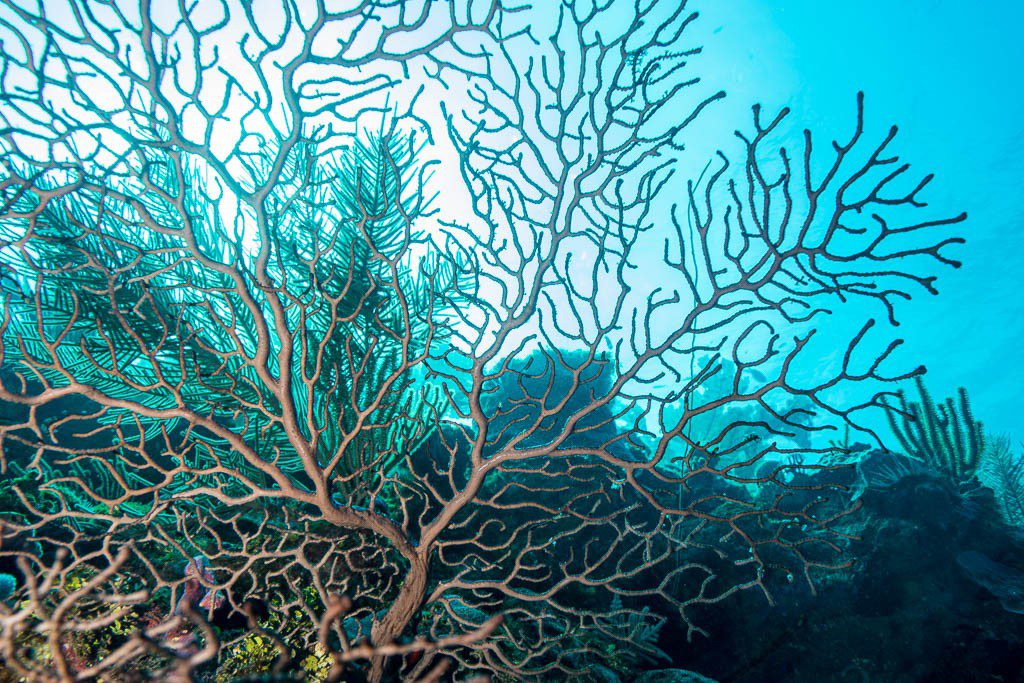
(410, 599)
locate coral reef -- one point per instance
(947, 438)
(279, 399)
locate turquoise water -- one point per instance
(948, 74)
(306, 477)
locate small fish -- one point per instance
(193, 589)
(196, 593)
(199, 566)
(211, 601)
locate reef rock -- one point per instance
(672, 676)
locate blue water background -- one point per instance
(949, 74)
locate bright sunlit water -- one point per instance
(946, 73)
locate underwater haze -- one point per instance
(486, 341)
(949, 75)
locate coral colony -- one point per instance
(405, 340)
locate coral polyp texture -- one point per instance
(408, 341)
